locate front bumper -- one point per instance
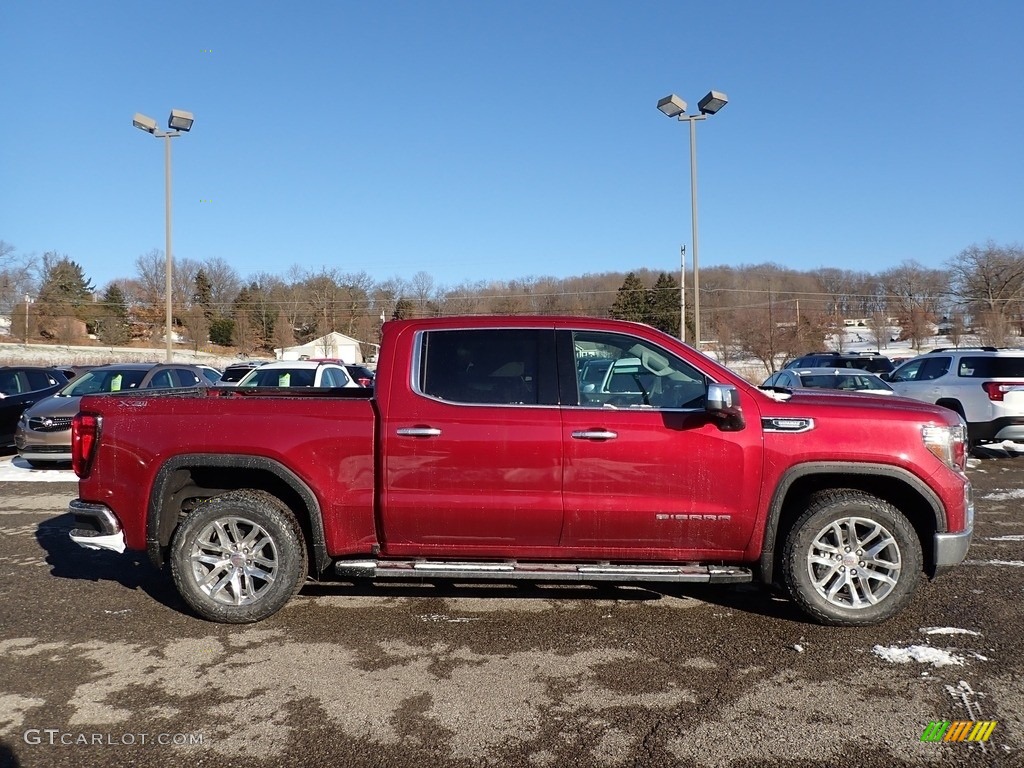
(96, 527)
(951, 548)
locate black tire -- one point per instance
(35, 464)
(846, 586)
(239, 557)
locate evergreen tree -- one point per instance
(663, 305)
(404, 309)
(203, 295)
(113, 325)
(65, 296)
(222, 331)
(64, 280)
(630, 300)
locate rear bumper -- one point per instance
(96, 527)
(1002, 428)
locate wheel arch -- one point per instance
(186, 480)
(952, 404)
(900, 487)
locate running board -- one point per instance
(572, 572)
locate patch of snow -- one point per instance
(16, 469)
(448, 619)
(924, 654)
(948, 631)
(1013, 563)
(1016, 493)
(798, 648)
(1014, 537)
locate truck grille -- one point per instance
(49, 423)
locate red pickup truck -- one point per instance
(538, 448)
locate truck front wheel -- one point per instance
(239, 557)
(851, 559)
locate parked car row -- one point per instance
(37, 403)
(985, 385)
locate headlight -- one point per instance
(949, 444)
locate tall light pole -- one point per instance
(673, 106)
(179, 122)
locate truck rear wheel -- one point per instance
(239, 557)
(851, 559)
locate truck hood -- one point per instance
(784, 403)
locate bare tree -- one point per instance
(198, 325)
(878, 329)
(914, 294)
(422, 288)
(955, 329)
(15, 277)
(758, 336)
(989, 282)
(284, 333)
(224, 283)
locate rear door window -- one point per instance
(185, 377)
(161, 380)
(492, 366)
(39, 380)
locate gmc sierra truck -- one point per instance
(481, 453)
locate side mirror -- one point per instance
(885, 376)
(723, 403)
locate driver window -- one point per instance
(618, 371)
(909, 372)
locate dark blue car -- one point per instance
(20, 387)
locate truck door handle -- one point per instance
(418, 432)
(594, 434)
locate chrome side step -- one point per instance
(572, 572)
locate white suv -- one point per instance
(984, 385)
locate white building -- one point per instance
(334, 345)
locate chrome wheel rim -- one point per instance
(234, 561)
(854, 563)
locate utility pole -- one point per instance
(682, 293)
(27, 302)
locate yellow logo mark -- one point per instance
(959, 730)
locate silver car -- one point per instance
(844, 379)
(43, 436)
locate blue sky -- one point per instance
(497, 140)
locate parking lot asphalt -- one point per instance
(101, 664)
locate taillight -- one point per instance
(996, 389)
(85, 436)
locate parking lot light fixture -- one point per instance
(179, 122)
(673, 106)
(711, 103)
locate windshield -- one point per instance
(103, 381)
(280, 377)
(851, 382)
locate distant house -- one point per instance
(334, 345)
